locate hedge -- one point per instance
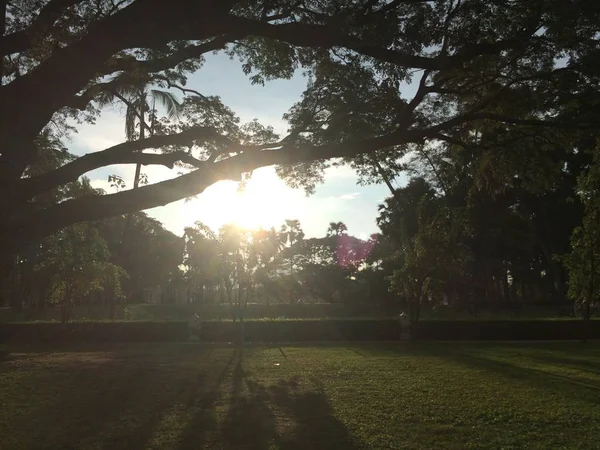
(298, 331)
(254, 331)
(509, 330)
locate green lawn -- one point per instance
(177, 396)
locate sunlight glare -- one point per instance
(265, 202)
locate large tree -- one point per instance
(499, 65)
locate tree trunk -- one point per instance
(505, 286)
(138, 167)
(587, 306)
(111, 307)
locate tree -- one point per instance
(135, 97)
(329, 265)
(265, 247)
(237, 271)
(337, 229)
(424, 244)
(79, 260)
(475, 63)
(151, 255)
(202, 260)
(292, 234)
(583, 262)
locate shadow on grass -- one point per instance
(291, 414)
(82, 401)
(480, 356)
(592, 366)
(180, 397)
(569, 386)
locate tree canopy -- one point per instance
(487, 74)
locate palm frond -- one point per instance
(123, 85)
(169, 101)
(105, 99)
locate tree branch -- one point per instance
(168, 62)
(50, 86)
(124, 153)
(21, 40)
(43, 223)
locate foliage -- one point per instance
(79, 260)
(583, 262)
(298, 330)
(492, 75)
(150, 254)
(423, 244)
(240, 266)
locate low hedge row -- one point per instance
(509, 330)
(299, 331)
(254, 331)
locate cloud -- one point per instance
(351, 196)
(102, 184)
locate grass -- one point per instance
(419, 396)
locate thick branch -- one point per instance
(326, 36)
(50, 86)
(170, 61)
(43, 223)
(250, 158)
(124, 153)
(21, 40)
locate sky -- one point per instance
(266, 201)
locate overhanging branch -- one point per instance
(124, 153)
(45, 222)
(248, 159)
(21, 40)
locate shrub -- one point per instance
(298, 331)
(509, 330)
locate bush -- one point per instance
(94, 332)
(510, 330)
(298, 331)
(254, 331)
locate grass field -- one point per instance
(393, 396)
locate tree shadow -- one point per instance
(117, 402)
(288, 415)
(249, 423)
(203, 422)
(572, 387)
(566, 361)
(315, 424)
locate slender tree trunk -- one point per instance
(138, 167)
(505, 286)
(587, 306)
(111, 306)
(3, 5)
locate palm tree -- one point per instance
(135, 94)
(265, 246)
(291, 232)
(138, 106)
(202, 258)
(140, 100)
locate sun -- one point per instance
(265, 202)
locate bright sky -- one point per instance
(267, 201)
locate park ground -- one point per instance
(373, 396)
